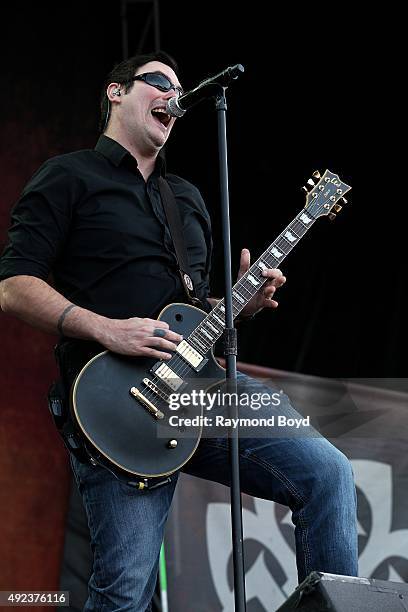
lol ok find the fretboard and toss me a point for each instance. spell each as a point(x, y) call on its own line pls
point(211, 328)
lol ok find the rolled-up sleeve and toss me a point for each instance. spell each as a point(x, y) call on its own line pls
point(40, 223)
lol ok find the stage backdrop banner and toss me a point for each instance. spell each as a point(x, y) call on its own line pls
point(369, 424)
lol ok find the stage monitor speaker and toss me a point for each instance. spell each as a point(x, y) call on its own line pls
point(321, 592)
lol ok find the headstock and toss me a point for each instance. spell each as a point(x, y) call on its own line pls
point(324, 194)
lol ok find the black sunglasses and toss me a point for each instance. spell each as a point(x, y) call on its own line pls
point(158, 80)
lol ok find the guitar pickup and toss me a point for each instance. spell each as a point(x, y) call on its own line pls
point(191, 356)
point(152, 387)
point(168, 377)
point(158, 414)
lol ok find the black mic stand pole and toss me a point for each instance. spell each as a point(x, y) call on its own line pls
point(230, 352)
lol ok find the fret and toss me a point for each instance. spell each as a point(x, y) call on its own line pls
point(301, 227)
point(205, 332)
point(241, 297)
point(211, 328)
point(253, 280)
point(283, 245)
point(297, 227)
point(200, 336)
point(261, 265)
point(238, 296)
point(235, 304)
point(291, 237)
point(272, 262)
point(236, 310)
point(305, 219)
point(246, 286)
point(276, 253)
point(216, 317)
point(198, 345)
point(301, 231)
point(298, 223)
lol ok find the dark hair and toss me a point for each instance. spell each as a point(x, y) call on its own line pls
point(123, 73)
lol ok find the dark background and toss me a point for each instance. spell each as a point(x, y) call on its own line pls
point(322, 89)
point(318, 92)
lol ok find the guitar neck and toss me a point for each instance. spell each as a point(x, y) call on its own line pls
point(210, 329)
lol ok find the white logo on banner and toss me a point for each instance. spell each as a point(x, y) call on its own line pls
point(375, 481)
point(373, 478)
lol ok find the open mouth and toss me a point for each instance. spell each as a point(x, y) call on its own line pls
point(160, 115)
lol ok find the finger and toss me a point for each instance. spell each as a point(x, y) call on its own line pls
point(150, 352)
point(278, 282)
point(169, 335)
point(270, 304)
point(156, 323)
point(272, 273)
point(245, 262)
point(161, 343)
point(274, 276)
point(269, 291)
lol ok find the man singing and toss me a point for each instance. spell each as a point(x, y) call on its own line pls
point(95, 220)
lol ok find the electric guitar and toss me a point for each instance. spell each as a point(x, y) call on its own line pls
point(121, 405)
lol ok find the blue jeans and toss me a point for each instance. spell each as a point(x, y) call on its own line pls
point(304, 472)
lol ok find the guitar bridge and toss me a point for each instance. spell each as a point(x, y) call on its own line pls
point(158, 414)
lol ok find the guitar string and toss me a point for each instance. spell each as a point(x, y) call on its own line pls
point(178, 365)
point(241, 285)
point(177, 361)
point(253, 290)
point(254, 270)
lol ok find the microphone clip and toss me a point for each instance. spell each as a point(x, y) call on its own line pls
point(178, 105)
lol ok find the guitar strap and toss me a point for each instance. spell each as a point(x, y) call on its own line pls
point(176, 232)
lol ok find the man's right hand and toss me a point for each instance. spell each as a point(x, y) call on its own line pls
point(34, 301)
point(136, 337)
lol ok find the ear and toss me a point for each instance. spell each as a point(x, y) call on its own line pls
point(113, 92)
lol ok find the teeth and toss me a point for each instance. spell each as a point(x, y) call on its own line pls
point(165, 120)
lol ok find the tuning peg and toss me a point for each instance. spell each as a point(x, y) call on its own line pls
point(305, 189)
point(317, 174)
point(344, 200)
point(311, 182)
point(332, 216)
point(337, 208)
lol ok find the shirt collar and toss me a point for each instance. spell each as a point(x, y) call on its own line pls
point(118, 155)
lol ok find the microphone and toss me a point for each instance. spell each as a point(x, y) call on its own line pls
point(177, 106)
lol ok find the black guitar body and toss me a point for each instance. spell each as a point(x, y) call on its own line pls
point(119, 427)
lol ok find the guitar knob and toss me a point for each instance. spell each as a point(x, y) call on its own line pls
point(337, 208)
point(317, 174)
point(332, 216)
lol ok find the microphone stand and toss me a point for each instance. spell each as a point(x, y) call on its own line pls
point(230, 352)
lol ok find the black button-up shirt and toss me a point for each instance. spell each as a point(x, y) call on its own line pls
point(91, 220)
